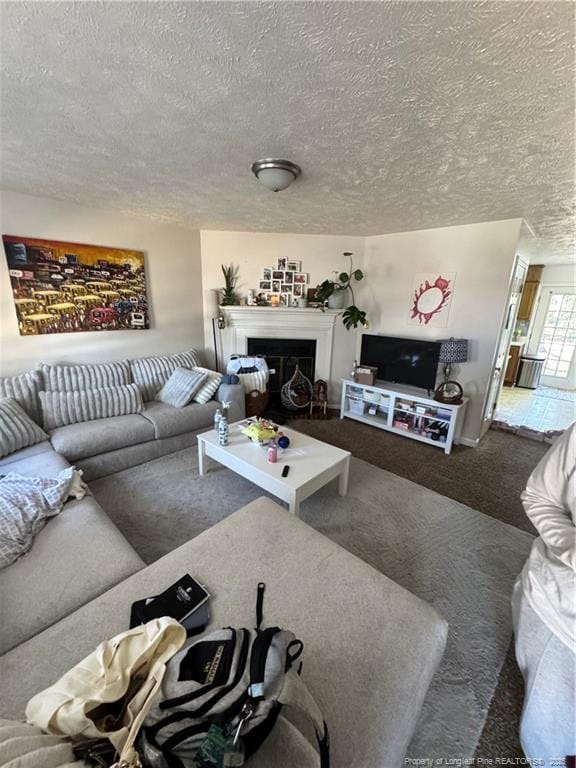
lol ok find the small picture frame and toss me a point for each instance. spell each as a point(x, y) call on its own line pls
point(288, 277)
point(267, 273)
point(298, 289)
point(282, 263)
point(274, 299)
point(284, 299)
point(300, 277)
point(312, 298)
point(294, 266)
point(276, 286)
point(265, 285)
point(278, 274)
point(287, 287)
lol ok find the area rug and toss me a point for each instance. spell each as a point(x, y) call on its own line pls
point(461, 561)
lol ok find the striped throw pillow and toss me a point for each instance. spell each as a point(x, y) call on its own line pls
point(24, 389)
point(17, 430)
point(181, 387)
point(71, 378)
point(151, 373)
point(62, 408)
point(209, 388)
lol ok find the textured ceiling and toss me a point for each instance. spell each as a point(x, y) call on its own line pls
point(403, 115)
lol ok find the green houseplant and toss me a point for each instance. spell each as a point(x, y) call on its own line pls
point(230, 280)
point(335, 292)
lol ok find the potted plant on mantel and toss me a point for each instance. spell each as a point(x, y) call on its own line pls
point(336, 294)
point(228, 293)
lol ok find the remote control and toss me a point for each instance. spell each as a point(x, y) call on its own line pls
point(285, 471)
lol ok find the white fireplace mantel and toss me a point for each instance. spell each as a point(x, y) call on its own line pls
point(243, 323)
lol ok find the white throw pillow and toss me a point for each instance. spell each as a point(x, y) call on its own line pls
point(151, 373)
point(17, 430)
point(209, 388)
point(181, 387)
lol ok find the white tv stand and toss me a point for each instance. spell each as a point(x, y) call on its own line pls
point(403, 412)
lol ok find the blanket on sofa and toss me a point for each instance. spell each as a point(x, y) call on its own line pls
point(25, 505)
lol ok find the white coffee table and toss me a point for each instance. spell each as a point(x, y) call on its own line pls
point(312, 463)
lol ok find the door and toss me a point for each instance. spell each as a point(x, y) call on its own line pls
point(502, 350)
point(555, 334)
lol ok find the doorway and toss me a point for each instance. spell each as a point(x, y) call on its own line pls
point(551, 407)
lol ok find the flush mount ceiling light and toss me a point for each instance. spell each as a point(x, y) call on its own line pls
point(275, 174)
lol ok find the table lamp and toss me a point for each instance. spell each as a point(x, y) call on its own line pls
point(452, 351)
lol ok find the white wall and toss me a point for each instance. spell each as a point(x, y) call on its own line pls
point(482, 255)
point(252, 251)
point(173, 269)
point(559, 274)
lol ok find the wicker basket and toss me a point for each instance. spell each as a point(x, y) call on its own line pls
point(256, 402)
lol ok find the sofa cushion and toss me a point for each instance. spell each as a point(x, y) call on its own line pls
point(40, 460)
point(67, 378)
point(181, 387)
point(62, 408)
point(151, 373)
point(209, 388)
point(90, 438)
point(24, 389)
point(78, 555)
point(17, 430)
point(370, 647)
point(26, 453)
point(169, 421)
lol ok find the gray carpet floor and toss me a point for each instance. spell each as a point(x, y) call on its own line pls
point(458, 559)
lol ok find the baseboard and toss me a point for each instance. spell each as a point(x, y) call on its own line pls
point(469, 442)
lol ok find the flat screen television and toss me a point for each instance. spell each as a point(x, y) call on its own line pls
point(403, 361)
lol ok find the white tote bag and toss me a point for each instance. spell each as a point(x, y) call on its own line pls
point(108, 694)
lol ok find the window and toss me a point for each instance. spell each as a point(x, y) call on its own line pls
point(559, 334)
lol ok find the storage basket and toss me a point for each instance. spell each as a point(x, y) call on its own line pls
point(357, 406)
point(256, 402)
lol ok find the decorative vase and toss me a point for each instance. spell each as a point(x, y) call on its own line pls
point(338, 299)
point(223, 431)
point(297, 392)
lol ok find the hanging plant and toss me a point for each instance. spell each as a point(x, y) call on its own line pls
point(352, 316)
point(230, 280)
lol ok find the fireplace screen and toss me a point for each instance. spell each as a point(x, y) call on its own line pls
point(283, 355)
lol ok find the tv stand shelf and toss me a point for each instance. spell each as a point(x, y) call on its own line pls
point(403, 412)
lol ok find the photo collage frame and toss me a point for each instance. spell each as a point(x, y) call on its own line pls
point(284, 285)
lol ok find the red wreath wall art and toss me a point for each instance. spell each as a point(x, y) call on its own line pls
point(431, 298)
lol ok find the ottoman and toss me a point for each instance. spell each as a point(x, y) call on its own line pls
point(370, 647)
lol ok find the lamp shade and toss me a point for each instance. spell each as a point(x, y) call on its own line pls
point(453, 350)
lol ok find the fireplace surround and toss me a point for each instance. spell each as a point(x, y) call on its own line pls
point(243, 323)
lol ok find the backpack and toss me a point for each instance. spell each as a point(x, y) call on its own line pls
point(221, 696)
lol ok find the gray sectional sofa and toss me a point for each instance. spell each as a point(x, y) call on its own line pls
point(80, 553)
point(372, 648)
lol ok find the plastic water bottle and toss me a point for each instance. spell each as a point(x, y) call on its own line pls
point(223, 431)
